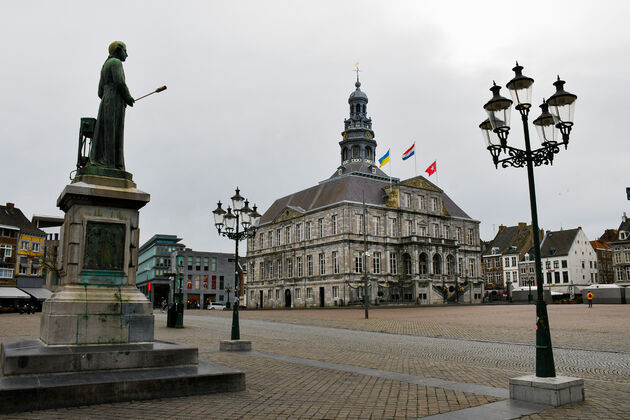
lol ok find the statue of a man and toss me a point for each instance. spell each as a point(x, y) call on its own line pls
point(108, 139)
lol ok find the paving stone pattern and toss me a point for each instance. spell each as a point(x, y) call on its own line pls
point(280, 384)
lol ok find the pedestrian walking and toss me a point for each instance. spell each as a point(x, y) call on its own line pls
point(589, 299)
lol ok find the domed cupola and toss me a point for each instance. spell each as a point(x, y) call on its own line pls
point(358, 144)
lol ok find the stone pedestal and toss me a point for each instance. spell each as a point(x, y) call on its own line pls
point(556, 391)
point(99, 303)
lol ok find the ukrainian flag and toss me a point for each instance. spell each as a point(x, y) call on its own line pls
point(384, 160)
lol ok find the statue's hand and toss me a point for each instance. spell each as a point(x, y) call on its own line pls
point(131, 101)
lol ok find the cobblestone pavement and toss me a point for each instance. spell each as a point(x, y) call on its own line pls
point(394, 340)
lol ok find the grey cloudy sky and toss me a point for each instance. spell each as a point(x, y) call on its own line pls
point(257, 94)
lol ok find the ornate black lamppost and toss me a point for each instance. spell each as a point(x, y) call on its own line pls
point(227, 224)
point(556, 118)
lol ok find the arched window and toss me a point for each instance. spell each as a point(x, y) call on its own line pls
point(407, 263)
point(368, 153)
point(437, 264)
point(423, 264)
point(344, 154)
point(450, 265)
point(356, 152)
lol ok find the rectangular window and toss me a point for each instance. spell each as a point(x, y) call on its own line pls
point(421, 203)
point(565, 277)
point(6, 273)
point(23, 245)
point(506, 262)
point(5, 252)
point(309, 265)
point(287, 235)
point(35, 246)
point(556, 277)
point(261, 240)
point(322, 264)
point(279, 268)
point(289, 267)
point(556, 264)
point(393, 263)
point(422, 230)
point(308, 231)
point(359, 223)
point(309, 293)
point(434, 204)
point(471, 237)
point(507, 276)
point(358, 263)
point(458, 234)
point(206, 263)
point(471, 267)
point(262, 270)
point(205, 281)
point(392, 226)
point(445, 232)
point(270, 239)
point(548, 265)
point(278, 234)
point(335, 291)
point(460, 265)
point(34, 269)
point(190, 263)
point(198, 264)
point(269, 292)
point(334, 224)
point(376, 222)
point(298, 293)
point(277, 294)
point(214, 282)
point(376, 263)
point(436, 230)
point(320, 227)
point(214, 264)
point(189, 282)
point(298, 232)
point(335, 262)
point(513, 261)
point(299, 266)
point(548, 278)
point(270, 269)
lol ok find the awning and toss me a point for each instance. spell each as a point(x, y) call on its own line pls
point(38, 293)
point(12, 293)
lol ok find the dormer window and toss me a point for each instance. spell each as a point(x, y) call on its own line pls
point(495, 250)
point(623, 235)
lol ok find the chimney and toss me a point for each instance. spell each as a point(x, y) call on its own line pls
point(501, 227)
point(11, 206)
point(624, 218)
point(521, 225)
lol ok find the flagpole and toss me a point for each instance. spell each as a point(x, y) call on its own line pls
point(415, 161)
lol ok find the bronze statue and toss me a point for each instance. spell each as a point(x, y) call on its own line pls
point(108, 141)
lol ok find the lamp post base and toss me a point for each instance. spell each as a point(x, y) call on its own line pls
point(556, 391)
point(235, 345)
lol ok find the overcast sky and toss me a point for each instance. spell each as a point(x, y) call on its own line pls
point(257, 94)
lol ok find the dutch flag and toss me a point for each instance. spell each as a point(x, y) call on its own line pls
point(410, 152)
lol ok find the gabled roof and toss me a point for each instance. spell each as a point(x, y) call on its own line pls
point(511, 240)
point(623, 227)
point(599, 245)
point(12, 216)
point(558, 243)
point(350, 188)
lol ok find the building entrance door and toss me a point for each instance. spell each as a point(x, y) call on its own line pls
point(322, 299)
point(261, 299)
point(287, 298)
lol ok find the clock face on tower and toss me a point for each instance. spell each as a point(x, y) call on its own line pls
point(368, 135)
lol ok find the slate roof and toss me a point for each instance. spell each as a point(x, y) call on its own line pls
point(518, 236)
point(12, 216)
point(343, 188)
point(558, 243)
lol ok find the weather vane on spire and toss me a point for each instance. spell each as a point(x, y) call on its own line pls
point(356, 68)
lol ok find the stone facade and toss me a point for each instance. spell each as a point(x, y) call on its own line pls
point(309, 250)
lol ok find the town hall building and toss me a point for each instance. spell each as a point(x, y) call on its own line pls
point(314, 247)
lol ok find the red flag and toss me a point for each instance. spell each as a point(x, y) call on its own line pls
point(432, 168)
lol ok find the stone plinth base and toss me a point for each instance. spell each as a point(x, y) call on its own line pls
point(556, 391)
point(235, 345)
point(35, 376)
point(86, 314)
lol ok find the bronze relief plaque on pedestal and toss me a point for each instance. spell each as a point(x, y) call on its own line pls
point(104, 246)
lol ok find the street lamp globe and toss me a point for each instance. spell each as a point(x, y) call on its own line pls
point(230, 220)
point(520, 88)
point(562, 107)
point(499, 110)
point(246, 216)
point(237, 201)
point(219, 214)
point(546, 127)
point(254, 216)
